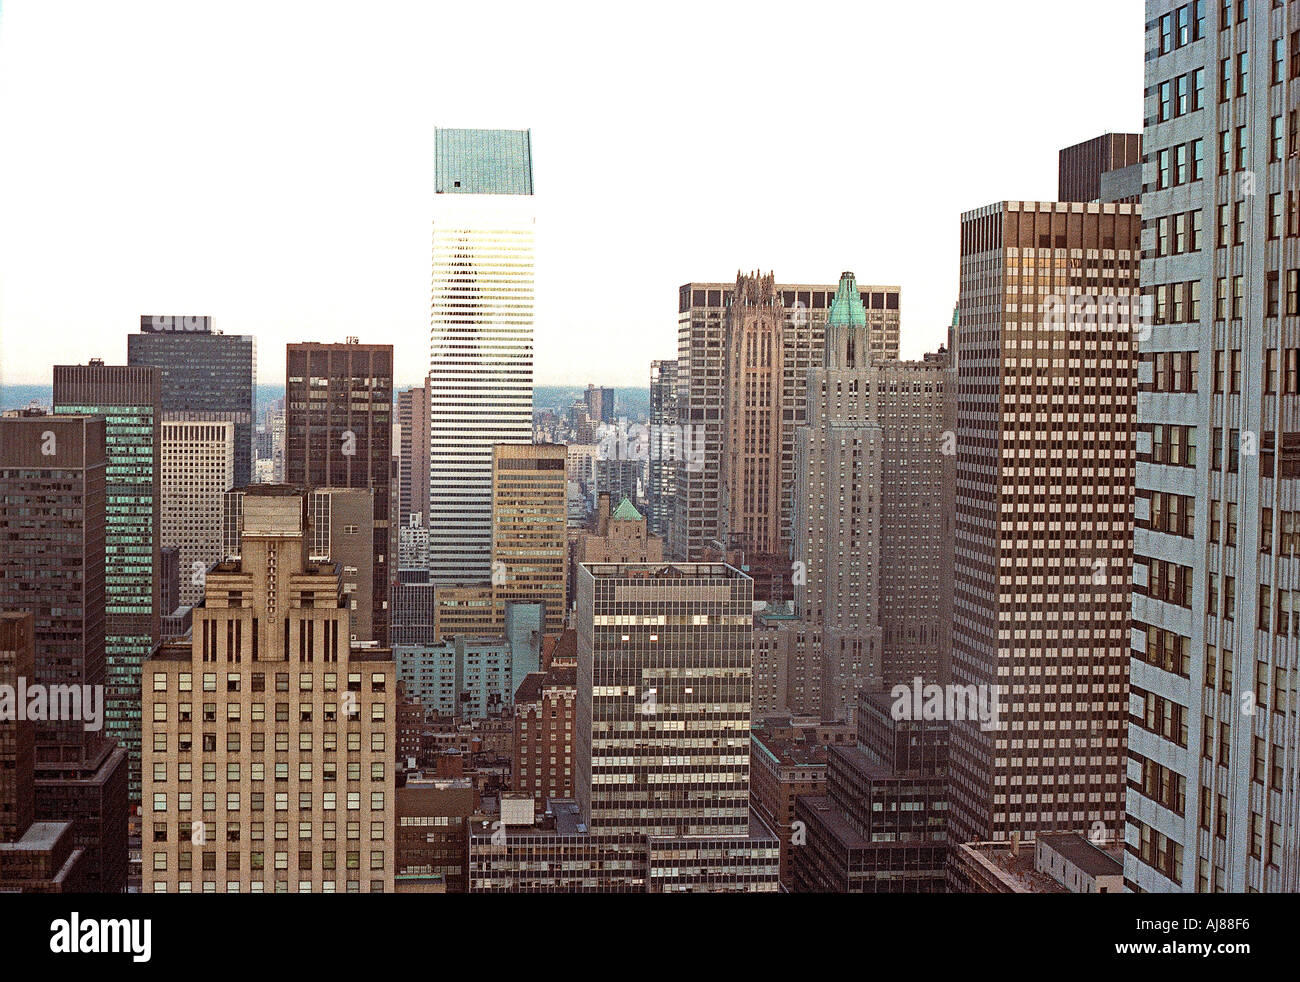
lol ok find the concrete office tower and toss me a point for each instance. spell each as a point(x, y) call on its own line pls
point(52, 531)
point(481, 336)
point(130, 400)
point(702, 394)
point(270, 670)
point(1212, 739)
point(663, 712)
point(413, 484)
point(529, 547)
point(1084, 166)
point(206, 375)
point(198, 468)
point(338, 426)
point(872, 524)
point(1047, 389)
point(663, 414)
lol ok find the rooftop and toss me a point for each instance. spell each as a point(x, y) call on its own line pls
point(1081, 853)
point(626, 512)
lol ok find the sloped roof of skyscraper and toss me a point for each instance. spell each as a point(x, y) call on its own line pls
point(483, 161)
point(846, 308)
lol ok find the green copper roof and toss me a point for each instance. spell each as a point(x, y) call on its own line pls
point(846, 308)
point(626, 512)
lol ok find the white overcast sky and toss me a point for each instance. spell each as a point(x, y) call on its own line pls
point(270, 163)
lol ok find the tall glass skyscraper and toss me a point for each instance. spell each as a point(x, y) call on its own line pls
point(130, 400)
point(481, 336)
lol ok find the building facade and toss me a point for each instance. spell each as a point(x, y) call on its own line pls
point(872, 516)
point(339, 434)
point(529, 546)
point(130, 400)
point(206, 376)
point(663, 414)
point(1047, 380)
point(269, 762)
point(52, 546)
point(480, 337)
point(703, 387)
point(1212, 748)
point(198, 468)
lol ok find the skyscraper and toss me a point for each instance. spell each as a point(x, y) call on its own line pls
point(752, 516)
point(1047, 376)
point(198, 468)
point(529, 531)
point(413, 485)
point(272, 629)
point(481, 336)
point(1212, 740)
point(664, 654)
point(339, 434)
point(663, 414)
point(206, 376)
point(872, 525)
point(130, 400)
point(52, 548)
point(1083, 165)
point(703, 393)
point(17, 736)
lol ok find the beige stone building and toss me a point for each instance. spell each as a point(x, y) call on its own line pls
point(269, 740)
point(706, 385)
point(872, 524)
point(618, 536)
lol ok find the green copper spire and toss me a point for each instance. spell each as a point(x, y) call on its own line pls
point(846, 308)
point(626, 512)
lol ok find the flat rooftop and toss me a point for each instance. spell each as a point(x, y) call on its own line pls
point(1081, 853)
point(663, 571)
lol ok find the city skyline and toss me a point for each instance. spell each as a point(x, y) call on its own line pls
point(335, 168)
point(853, 584)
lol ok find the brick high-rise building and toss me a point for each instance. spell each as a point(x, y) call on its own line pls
point(545, 715)
point(704, 391)
point(52, 535)
point(1047, 391)
point(339, 434)
point(207, 377)
point(872, 518)
point(130, 400)
point(269, 763)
